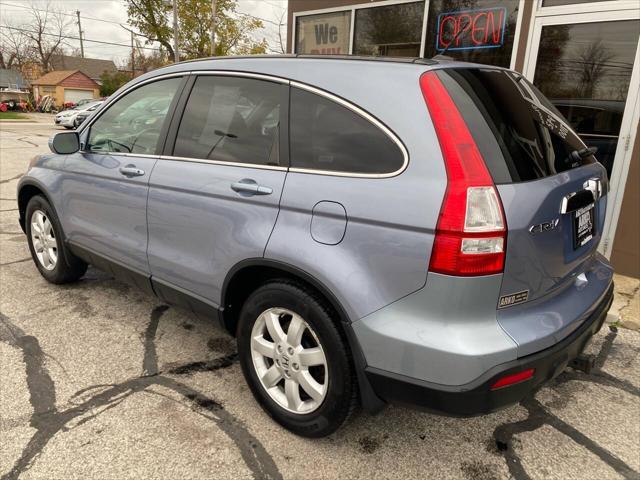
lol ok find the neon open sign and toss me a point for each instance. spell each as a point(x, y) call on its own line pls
point(471, 29)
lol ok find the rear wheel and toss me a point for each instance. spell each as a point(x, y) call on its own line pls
point(44, 234)
point(294, 359)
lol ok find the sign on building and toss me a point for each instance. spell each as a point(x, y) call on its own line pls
point(325, 34)
point(471, 29)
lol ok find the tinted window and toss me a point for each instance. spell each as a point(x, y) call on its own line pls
point(519, 133)
point(328, 136)
point(231, 119)
point(132, 124)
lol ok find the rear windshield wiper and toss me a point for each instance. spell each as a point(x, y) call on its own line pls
point(579, 155)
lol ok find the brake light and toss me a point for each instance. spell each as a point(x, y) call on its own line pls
point(471, 232)
point(513, 379)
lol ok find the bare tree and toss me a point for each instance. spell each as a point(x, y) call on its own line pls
point(593, 60)
point(46, 32)
point(14, 51)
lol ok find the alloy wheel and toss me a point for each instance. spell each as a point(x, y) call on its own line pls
point(44, 240)
point(289, 360)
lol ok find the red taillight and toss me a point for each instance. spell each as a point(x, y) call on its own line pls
point(471, 232)
point(513, 379)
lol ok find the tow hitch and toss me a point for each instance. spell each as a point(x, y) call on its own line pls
point(583, 362)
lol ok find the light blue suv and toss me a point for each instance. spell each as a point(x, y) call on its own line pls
point(371, 231)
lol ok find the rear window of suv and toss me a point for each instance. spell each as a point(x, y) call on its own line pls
point(519, 133)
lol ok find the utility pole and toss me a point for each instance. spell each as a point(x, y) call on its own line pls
point(213, 28)
point(176, 53)
point(133, 57)
point(80, 34)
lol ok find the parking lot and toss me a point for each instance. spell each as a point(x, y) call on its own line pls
point(98, 380)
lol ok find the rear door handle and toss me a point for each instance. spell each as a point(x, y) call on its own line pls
point(248, 187)
point(131, 171)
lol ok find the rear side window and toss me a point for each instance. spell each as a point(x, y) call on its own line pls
point(231, 119)
point(330, 137)
point(520, 134)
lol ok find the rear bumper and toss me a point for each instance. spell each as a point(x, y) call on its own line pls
point(477, 397)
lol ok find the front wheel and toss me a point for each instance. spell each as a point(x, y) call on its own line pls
point(52, 258)
point(295, 361)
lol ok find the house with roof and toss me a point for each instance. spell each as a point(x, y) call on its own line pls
point(92, 67)
point(13, 86)
point(65, 86)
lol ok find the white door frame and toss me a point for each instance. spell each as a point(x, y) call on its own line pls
point(629, 126)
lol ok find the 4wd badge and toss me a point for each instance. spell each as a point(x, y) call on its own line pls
point(513, 299)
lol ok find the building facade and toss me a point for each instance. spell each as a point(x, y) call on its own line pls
point(65, 86)
point(584, 55)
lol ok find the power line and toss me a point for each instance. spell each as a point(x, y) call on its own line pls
point(60, 13)
point(77, 38)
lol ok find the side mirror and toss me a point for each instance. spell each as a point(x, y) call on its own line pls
point(64, 143)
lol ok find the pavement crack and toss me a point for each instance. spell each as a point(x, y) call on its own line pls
point(150, 359)
point(7, 180)
point(539, 416)
point(22, 139)
point(48, 421)
point(255, 456)
point(208, 366)
point(15, 261)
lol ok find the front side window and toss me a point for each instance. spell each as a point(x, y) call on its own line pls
point(231, 119)
point(133, 123)
point(330, 137)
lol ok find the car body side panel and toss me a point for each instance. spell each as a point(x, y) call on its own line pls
point(390, 226)
point(199, 228)
point(383, 255)
point(47, 174)
point(104, 211)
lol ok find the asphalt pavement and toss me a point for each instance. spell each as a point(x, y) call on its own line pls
point(98, 380)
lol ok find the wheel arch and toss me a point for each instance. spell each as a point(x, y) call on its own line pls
point(26, 191)
point(247, 275)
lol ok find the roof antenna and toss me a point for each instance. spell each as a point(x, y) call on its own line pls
point(443, 55)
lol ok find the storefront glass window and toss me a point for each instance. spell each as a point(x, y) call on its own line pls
point(480, 31)
point(392, 30)
point(585, 69)
point(555, 3)
point(324, 34)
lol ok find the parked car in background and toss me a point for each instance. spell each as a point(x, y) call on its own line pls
point(432, 244)
point(67, 118)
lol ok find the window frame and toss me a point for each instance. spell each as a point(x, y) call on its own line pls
point(283, 130)
point(179, 102)
point(85, 128)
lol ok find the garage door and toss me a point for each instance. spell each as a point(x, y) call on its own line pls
point(75, 95)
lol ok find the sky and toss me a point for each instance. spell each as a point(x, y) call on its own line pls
point(100, 21)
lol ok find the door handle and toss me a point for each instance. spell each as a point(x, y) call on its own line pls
point(131, 171)
point(248, 187)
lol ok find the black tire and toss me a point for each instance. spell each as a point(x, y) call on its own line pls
point(341, 397)
point(68, 268)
